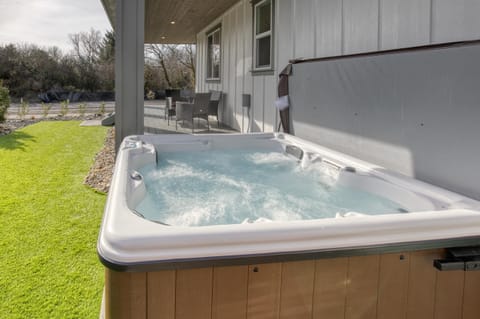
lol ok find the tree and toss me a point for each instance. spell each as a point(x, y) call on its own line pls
point(28, 70)
point(86, 51)
point(186, 57)
point(87, 45)
point(106, 63)
point(160, 53)
point(176, 62)
point(107, 49)
point(4, 101)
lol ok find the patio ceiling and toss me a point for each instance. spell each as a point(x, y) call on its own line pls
point(188, 16)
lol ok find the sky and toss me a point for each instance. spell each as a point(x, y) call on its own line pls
point(49, 22)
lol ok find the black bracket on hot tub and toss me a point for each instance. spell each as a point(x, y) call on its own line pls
point(460, 258)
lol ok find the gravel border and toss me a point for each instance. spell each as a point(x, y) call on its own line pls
point(101, 172)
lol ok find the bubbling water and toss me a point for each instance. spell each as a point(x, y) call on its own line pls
point(245, 186)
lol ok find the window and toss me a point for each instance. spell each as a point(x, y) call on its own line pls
point(213, 54)
point(263, 34)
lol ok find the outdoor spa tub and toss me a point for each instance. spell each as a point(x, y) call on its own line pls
point(272, 226)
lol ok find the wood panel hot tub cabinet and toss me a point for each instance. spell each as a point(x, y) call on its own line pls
point(390, 286)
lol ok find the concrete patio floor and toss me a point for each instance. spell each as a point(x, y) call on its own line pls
point(155, 122)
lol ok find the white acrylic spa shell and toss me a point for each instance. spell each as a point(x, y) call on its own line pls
point(126, 238)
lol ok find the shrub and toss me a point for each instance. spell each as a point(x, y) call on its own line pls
point(150, 95)
point(23, 109)
point(45, 109)
point(64, 107)
point(4, 101)
point(101, 109)
point(82, 108)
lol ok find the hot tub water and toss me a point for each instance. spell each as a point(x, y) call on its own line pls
point(220, 187)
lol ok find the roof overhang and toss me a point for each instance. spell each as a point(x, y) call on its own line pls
point(175, 21)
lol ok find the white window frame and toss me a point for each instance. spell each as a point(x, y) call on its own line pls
point(210, 71)
point(257, 37)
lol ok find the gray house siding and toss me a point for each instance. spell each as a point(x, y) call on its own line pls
point(321, 28)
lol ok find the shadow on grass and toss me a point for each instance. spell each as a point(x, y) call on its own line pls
point(15, 140)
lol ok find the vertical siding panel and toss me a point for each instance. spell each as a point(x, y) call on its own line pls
point(449, 294)
point(193, 294)
point(248, 84)
point(471, 303)
point(330, 288)
point(275, 55)
point(455, 20)
point(264, 283)
point(262, 115)
point(125, 295)
point(248, 38)
point(360, 26)
point(283, 33)
point(238, 88)
point(239, 67)
point(284, 40)
point(421, 284)
point(232, 85)
point(329, 28)
point(362, 287)
point(227, 83)
point(297, 289)
point(268, 104)
point(393, 286)
point(404, 23)
point(199, 60)
point(225, 65)
point(257, 104)
point(204, 61)
point(230, 292)
point(161, 294)
point(304, 29)
point(197, 63)
point(223, 86)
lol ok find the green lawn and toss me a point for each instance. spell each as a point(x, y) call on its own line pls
point(49, 222)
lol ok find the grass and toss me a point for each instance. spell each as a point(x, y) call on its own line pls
point(49, 222)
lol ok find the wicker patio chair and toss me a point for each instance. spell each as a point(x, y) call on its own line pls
point(190, 111)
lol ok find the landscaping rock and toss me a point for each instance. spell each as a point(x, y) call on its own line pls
point(9, 126)
point(101, 172)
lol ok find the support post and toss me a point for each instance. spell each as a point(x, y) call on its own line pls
point(129, 68)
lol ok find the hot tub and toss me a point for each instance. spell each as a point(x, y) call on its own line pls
point(426, 215)
point(362, 261)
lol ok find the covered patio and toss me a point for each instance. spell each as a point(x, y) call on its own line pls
point(149, 21)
